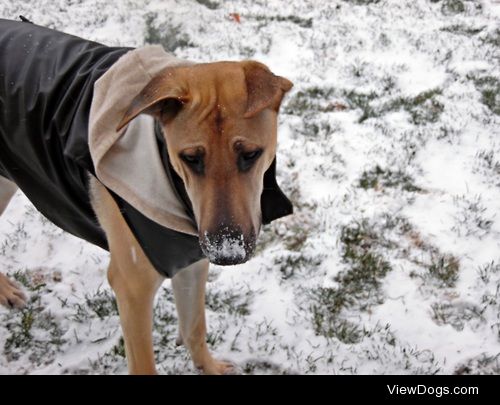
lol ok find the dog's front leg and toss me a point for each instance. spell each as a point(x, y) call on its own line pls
point(133, 279)
point(189, 292)
point(135, 289)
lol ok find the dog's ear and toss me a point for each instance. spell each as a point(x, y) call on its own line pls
point(163, 95)
point(264, 89)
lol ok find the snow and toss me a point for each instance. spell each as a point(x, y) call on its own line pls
point(224, 247)
point(419, 89)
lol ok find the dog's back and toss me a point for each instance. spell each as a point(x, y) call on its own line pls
point(46, 85)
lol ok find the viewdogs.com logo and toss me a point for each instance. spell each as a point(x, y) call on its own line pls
point(430, 390)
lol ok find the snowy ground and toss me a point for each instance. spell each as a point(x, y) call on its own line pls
point(390, 148)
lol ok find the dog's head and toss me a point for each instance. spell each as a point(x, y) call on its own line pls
point(220, 125)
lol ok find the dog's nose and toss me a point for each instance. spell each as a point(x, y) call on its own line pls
point(227, 245)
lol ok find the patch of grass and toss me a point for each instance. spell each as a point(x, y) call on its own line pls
point(489, 160)
point(296, 237)
point(314, 129)
point(119, 348)
point(423, 108)
point(451, 7)
point(263, 367)
point(358, 286)
point(215, 338)
point(461, 29)
point(165, 311)
point(489, 276)
point(331, 326)
point(457, 315)
point(293, 231)
point(102, 303)
point(444, 269)
point(379, 178)
point(301, 22)
point(487, 271)
point(311, 99)
point(110, 362)
point(212, 5)
point(234, 302)
point(293, 263)
point(363, 102)
point(483, 364)
point(34, 331)
point(357, 239)
point(472, 216)
point(167, 35)
point(493, 38)
point(489, 87)
point(27, 280)
point(165, 324)
point(362, 2)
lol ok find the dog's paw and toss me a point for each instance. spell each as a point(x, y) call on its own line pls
point(215, 367)
point(11, 295)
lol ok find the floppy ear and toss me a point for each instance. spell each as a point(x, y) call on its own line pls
point(264, 89)
point(153, 98)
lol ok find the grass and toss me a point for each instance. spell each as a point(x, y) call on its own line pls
point(489, 271)
point(232, 302)
point(457, 315)
point(309, 100)
point(378, 179)
point(451, 7)
point(472, 217)
point(167, 35)
point(483, 364)
point(362, 2)
point(299, 21)
point(210, 4)
point(28, 280)
point(358, 286)
point(489, 87)
point(488, 159)
point(493, 38)
point(444, 269)
point(296, 264)
point(462, 29)
point(423, 108)
point(489, 288)
point(33, 332)
point(119, 349)
point(263, 367)
point(102, 304)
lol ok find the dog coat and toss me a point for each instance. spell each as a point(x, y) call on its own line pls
point(61, 99)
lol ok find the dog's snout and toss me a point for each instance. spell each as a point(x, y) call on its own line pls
point(227, 245)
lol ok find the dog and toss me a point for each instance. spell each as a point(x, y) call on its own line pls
point(168, 164)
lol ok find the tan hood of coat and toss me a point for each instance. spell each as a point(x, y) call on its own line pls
point(128, 162)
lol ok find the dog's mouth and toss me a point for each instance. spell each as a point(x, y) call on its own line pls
point(228, 246)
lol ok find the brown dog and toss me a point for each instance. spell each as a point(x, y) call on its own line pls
point(220, 121)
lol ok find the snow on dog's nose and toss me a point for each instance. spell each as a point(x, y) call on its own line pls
point(227, 246)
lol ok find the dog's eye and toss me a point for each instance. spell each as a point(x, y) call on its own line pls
point(247, 159)
point(195, 162)
point(191, 159)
